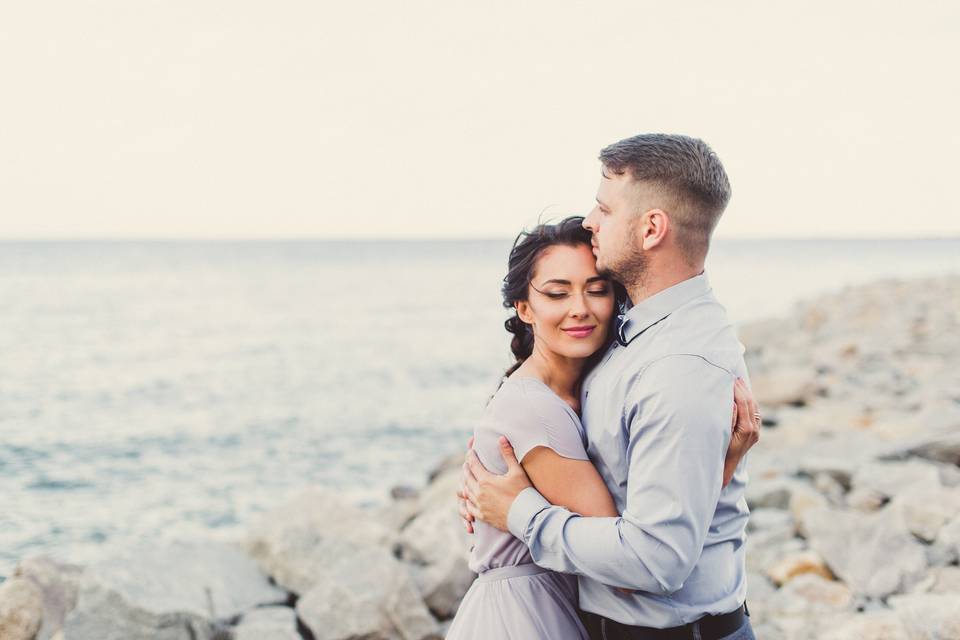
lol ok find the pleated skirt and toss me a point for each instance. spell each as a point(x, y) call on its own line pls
point(523, 602)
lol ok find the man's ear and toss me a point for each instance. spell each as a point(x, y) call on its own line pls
point(653, 228)
point(523, 311)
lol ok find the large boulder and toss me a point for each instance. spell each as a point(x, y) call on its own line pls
point(887, 479)
point(790, 385)
point(807, 604)
point(341, 564)
point(364, 593)
point(292, 542)
point(925, 510)
point(175, 591)
point(796, 564)
point(874, 554)
point(268, 623)
point(21, 609)
point(929, 616)
point(875, 625)
point(58, 583)
point(437, 546)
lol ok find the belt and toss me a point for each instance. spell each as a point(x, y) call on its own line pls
point(706, 628)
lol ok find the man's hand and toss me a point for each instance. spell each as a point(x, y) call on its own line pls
point(489, 495)
point(746, 429)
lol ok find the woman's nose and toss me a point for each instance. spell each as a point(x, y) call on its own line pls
point(579, 308)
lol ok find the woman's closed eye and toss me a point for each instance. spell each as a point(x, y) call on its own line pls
point(559, 295)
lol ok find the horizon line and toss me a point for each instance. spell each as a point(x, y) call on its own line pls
point(485, 238)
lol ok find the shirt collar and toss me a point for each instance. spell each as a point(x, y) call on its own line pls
point(659, 306)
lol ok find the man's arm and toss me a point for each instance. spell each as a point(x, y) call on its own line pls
point(679, 432)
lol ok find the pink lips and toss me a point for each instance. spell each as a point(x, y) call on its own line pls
point(580, 332)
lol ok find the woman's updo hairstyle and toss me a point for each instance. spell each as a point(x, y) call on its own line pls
point(527, 249)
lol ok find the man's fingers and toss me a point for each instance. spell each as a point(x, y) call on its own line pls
point(742, 399)
point(471, 486)
point(465, 516)
point(507, 453)
point(473, 510)
point(475, 466)
point(470, 443)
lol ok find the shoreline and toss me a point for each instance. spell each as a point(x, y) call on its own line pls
point(854, 492)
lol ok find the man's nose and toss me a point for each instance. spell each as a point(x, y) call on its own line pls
point(588, 221)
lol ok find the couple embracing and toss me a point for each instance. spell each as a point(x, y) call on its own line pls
point(605, 487)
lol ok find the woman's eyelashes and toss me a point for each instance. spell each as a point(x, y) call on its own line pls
point(559, 295)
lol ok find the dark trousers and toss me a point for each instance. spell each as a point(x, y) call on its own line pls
point(601, 629)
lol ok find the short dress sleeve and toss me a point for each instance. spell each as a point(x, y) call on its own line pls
point(530, 415)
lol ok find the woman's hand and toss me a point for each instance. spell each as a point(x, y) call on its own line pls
point(746, 428)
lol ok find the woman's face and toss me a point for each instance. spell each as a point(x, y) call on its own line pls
point(569, 304)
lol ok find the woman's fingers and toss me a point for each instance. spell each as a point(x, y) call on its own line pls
point(507, 453)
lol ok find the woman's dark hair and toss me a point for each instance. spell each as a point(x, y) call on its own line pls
point(527, 249)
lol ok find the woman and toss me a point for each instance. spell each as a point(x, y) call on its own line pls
point(563, 314)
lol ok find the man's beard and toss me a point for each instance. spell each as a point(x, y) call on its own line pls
point(630, 269)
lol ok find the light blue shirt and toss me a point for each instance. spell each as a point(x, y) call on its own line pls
point(657, 415)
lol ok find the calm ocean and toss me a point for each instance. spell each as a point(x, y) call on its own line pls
point(169, 389)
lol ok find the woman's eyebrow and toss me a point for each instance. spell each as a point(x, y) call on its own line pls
point(567, 282)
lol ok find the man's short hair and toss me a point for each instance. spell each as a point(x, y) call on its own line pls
point(688, 175)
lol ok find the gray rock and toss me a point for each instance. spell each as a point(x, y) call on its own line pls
point(839, 469)
point(890, 478)
point(170, 592)
point(866, 500)
point(940, 580)
point(268, 623)
point(21, 609)
point(763, 554)
point(875, 625)
point(940, 447)
point(772, 493)
point(875, 554)
point(292, 542)
point(764, 519)
point(803, 499)
point(439, 547)
point(948, 538)
point(807, 606)
point(368, 594)
point(795, 385)
point(795, 564)
point(933, 616)
point(925, 510)
point(404, 492)
point(58, 583)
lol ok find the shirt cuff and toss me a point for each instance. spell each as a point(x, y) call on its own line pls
point(526, 505)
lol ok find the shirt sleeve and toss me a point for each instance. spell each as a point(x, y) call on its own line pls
point(678, 413)
point(532, 417)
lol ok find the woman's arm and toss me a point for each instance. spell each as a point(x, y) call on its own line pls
point(574, 484)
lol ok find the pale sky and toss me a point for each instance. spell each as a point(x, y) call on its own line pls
point(232, 119)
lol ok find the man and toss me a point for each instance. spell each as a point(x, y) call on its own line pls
point(656, 415)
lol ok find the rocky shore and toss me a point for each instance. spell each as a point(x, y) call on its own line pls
point(854, 531)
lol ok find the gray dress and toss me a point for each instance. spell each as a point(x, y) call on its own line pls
point(512, 598)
